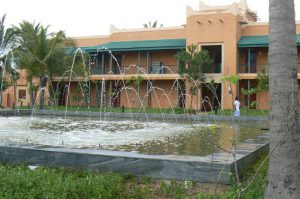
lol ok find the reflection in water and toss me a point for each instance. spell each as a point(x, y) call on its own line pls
point(136, 136)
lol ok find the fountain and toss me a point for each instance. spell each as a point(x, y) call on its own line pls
point(205, 148)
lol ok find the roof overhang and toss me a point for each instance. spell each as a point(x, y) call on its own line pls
point(163, 44)
point(258, 41)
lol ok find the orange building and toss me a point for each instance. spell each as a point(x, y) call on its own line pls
point(138, 68)
point(17, 94)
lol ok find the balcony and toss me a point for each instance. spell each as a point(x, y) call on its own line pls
point(154, 72)
point(244, 68)
point(133, 69)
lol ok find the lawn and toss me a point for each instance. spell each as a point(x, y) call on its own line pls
point(244, 111)
point(19, 181)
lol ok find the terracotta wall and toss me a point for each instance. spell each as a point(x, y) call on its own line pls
point(164, 94)
point(130, 97)
point(257, 29)
point(217, 29)
point(90, 41)
point(262, 101)
point(260, 29)
point(154, 34)
point(132, 35)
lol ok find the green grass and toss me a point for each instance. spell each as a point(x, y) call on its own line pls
point(18, 181)
point(244, 111)
point(119, 109)
point(256, 189)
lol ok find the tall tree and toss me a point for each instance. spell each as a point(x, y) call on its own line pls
point(194, 64)
point(284, 166)
point(41, 53)
point(7, 38)
point(151, 25)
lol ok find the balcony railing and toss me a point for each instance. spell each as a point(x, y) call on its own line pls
point(216, 68)
point(133, 69)
point(244, 68)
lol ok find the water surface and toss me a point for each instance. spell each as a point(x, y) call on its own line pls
point(155, 137)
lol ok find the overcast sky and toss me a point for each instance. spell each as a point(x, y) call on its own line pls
point(92, 17)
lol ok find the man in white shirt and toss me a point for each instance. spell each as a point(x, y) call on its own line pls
point(237, 107)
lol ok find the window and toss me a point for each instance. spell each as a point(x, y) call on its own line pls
point(22, 94)
point(215, 53)
point(93, 60)
point(251, 61)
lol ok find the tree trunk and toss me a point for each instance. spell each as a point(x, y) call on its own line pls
point(15, 94)
point(284, 166)
point(43, 83)
point(31, 102)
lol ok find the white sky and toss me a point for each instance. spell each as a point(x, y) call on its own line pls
point(92, 17)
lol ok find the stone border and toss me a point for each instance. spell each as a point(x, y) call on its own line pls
point(216, 167)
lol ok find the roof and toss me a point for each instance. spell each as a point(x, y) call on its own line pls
point(71, 50)
point(257, 41)
point(163, 44)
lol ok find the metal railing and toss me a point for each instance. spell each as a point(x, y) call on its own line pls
point(244, 68)
point(134, 69)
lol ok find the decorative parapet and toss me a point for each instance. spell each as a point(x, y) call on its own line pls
point(238, 9)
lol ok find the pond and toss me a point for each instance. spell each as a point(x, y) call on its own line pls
point(155, 137)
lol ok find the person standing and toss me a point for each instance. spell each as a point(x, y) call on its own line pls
point(236, 107)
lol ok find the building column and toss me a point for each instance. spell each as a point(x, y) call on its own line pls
point(97, 94)
point(110, 63)
point(249, 62)
point(139, 62)
point(110, 93)
point(90, 96)
point(238, 61)
point(110, 82)
point(148, 81)
point(103, 63)
point(97, 64)
point(248, 96)
point(148, 62)
point(89, 63)
point(177, 84)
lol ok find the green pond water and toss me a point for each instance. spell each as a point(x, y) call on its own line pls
point(155, 137)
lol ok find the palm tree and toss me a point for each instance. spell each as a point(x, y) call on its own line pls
point(284, 169)
point(7, 38)
point(150, 25)
point(194, 63)
point(42, 54)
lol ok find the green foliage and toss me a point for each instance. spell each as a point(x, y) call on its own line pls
point(193, 62)
point(255, 190)
point(134, 81)
point(233, 79)
point(18, 181)
point(7, 38)
point(244, 112)
point(253, 104)
point(213, 129)
point(5, 84)
point(21, 182)
point(263, 82)
point(249, 92)
point(40, 52)
point(150, 25)
point(192, 65)
point(173, 189)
